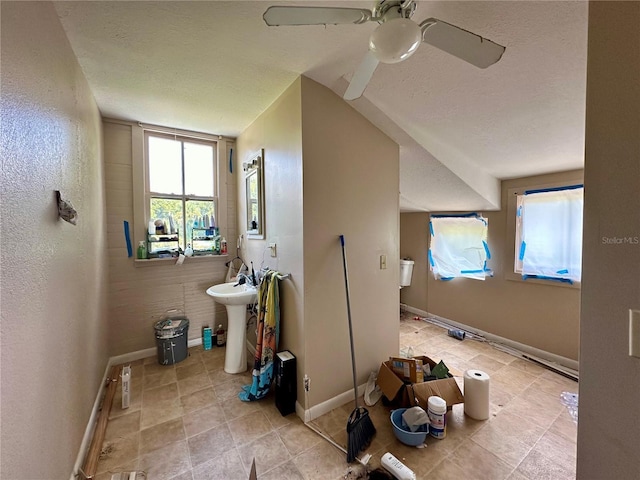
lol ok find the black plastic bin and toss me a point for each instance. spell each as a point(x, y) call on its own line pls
point(171, 338)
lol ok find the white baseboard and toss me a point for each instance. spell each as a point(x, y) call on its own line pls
point(535, 353)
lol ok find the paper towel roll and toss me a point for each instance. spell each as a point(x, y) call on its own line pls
point(476, 394)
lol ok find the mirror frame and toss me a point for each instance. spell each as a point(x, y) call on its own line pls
point(254, 168)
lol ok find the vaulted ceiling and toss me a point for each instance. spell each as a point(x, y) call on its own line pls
point(215, 66)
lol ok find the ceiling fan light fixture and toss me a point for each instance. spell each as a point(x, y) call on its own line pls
point(395, 40)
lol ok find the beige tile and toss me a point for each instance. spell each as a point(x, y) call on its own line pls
point(516, 475)
point(118, 451)
point(297, 438)
point(160, 435)
point(333, 421)
point(286, 471)
point(210, 444)
point(321, 462)
point(156, 368)
point(183, 476)
point(512, 380)
point(160, 395)
point(565, 426)
point(507, 427)
point(159, 379)
point(166, 462)
point(447, 470)
point(135, 399)
point(268, 451)
point(235, 408)
point(193, 384)
point(537, 466)
point(555, 384)
point(275, 417)
point(161, 412)
point(193, 358)
point(558, 448)
point(197, 400)
point(230, 388)
point(186, 371)
point(122, 426)
point(478, 462)
point(129, 466)
point(486, 364)
point(509, 450)
point(203, 419)
point(528, 366)
point(225, 466)
point(420, 460)
point(249, 427)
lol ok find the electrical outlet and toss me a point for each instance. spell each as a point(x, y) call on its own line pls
point(383, 262)
point(272, 247)
point(634, 333)
point(307, 382)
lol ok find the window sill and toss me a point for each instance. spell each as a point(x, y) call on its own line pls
point(516, 277)
point(149, 262)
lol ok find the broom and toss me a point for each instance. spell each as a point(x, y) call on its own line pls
point(360, 429)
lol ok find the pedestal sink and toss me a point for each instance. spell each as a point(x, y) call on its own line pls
point(235, 299)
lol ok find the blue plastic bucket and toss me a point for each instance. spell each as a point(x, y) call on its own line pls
point(405, 435)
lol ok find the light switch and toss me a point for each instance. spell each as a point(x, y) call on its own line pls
point(383, 262)
point(272, 247)
point(634, 333)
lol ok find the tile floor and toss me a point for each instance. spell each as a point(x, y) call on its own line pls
point(185, 422)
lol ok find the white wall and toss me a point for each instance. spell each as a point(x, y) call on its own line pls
point(608, 426)
point(54, 335)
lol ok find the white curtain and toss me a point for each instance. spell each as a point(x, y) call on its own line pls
point(551, 233)
point(459, 247)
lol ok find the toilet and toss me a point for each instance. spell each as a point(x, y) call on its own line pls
point(406, 270)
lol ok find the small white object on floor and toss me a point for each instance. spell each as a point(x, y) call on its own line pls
point(396, 468)
point(372, 392)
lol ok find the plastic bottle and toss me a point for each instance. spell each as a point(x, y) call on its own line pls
point(152, 227)
point(188, 252)
point(142, 250)
point(437, 411)
point(221, 336)
point(223, 246)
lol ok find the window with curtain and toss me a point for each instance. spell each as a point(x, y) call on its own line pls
point(458, 246)
point(549, 234)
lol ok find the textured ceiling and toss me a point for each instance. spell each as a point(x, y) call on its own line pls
point(215, 67)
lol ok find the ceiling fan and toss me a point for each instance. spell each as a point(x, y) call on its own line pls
point(395, 39)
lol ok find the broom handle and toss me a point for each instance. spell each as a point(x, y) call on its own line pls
point(346, 286)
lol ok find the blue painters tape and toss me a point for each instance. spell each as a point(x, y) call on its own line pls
point(446, 279)
point(471, 271)
point(520, 211)
point(127, 238)
point(486, 249)
point(523, 247)
point(561, 272)
point(431, 229)
point(554, 189)
point(431, 259)
point(544, 277)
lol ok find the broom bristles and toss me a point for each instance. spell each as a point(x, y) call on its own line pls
point(360, 431)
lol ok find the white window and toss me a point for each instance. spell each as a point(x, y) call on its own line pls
point(549, 234)
point(459, 246)
point(180, 193)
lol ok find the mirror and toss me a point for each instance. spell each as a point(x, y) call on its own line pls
point(255, 195)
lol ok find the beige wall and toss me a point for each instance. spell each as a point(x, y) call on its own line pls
point(279, 131)
point(351, 185)
point(608, 429)
point(414, 238)
point(54, 335)
point(544, 316)
point(141, 293)
point(328, 171)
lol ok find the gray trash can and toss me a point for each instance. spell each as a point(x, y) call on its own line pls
point(171, 338)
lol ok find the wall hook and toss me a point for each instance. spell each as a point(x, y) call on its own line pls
point(66, 210)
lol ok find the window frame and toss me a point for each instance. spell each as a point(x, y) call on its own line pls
point(140, 177)
point(508, 269)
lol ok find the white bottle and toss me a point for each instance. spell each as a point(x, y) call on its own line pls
point(437, 411)
point(396, 468)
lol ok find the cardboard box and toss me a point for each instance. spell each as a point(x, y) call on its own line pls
point(408, 394)
point(408, 369)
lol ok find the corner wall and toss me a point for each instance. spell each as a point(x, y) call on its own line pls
point(544, 316)
point(608, 430)
point(351, 185)
point(54, 321)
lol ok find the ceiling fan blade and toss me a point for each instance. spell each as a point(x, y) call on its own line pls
point(361, 77)
point(465, 45)
point(281, 15)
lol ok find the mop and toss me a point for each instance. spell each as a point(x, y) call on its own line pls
point(360, 429)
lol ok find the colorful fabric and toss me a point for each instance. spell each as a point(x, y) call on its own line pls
point(268, 338)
